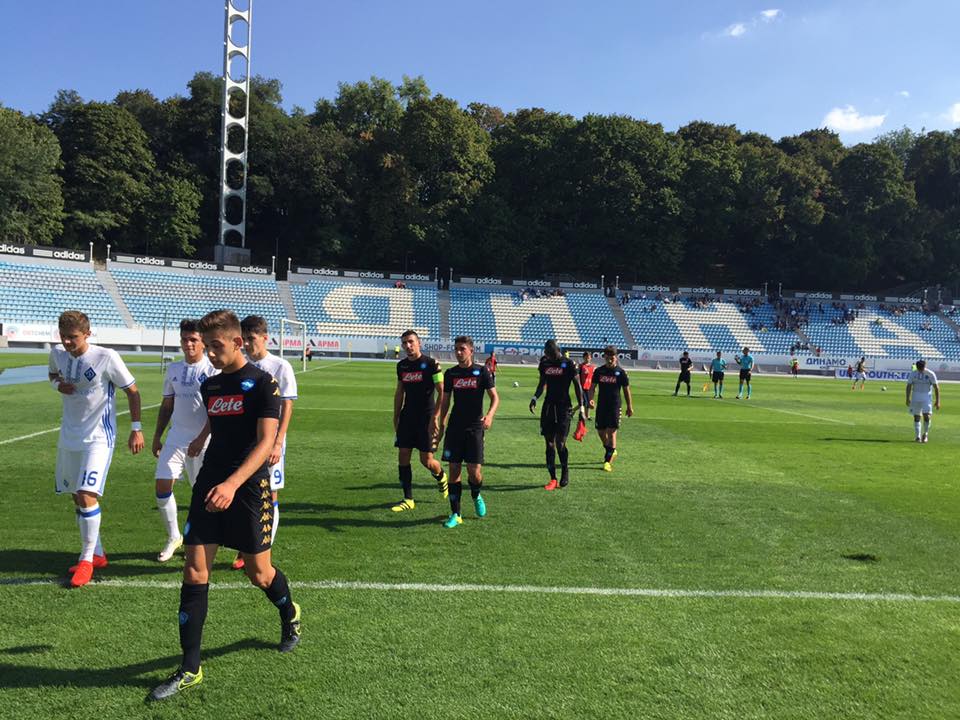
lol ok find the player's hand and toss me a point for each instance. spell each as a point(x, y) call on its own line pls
point(66, 388)
point(220, 497)
point(487, 422)
point(275, 454)
point(156, 446)
point(629, 412)
point(533, 405)
point(937, 405)
point(593, 404)
point(196, 446)
point(135, 443)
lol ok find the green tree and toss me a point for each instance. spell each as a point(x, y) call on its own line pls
point(31, 200)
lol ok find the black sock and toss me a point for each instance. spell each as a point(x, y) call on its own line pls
point(551, 461)
point(608, 455)
point(475, 490)
point(564, 454)
point(406, 481)
point(193, 613)
point(455, 490)
point(439, 476)
point(279, 594)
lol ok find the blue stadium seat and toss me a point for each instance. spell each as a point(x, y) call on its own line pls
point(35, 293)
point(366, 309)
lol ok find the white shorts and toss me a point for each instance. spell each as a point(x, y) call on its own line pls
point(276, 471)
point(859, 376)
point(83, 469)
point(174, 460)
point(924, 407)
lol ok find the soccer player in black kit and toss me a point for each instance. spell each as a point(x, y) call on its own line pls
point(416, 416)
point(685, 364)
point(464, 385)
point(609, 379)
point(231, 502)
point(557, 373)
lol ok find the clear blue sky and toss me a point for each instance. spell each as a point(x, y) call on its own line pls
point(777, 67)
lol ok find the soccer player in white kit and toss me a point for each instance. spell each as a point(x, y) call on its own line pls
point(181, 403)
point(86, 376)
point(922, 385)
point(255, 334)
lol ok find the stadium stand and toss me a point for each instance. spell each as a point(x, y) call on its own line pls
point(152, 295)
point(573, 319)
point(37, 293)
point(718, 325)
point(365, 309)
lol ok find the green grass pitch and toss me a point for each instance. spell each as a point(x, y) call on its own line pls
point(809, 487)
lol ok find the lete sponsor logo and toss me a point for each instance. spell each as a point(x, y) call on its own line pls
point(220, 405)
point(468, 383)
point(412, 377)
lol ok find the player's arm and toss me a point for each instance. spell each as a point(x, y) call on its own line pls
point(538, 392)
point(629, 398)
point(397, 405)
point(936, 395)
point(285, 416)
point(492, 410)
point(56, 379)
point(196, 445)
point(578, 391)
point(163, 418)
point(221, 496)
point(909, 391)
point(135, 443)
point(438, 389)
point(442, 416)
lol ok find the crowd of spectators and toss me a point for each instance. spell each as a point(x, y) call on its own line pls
point(528, 293)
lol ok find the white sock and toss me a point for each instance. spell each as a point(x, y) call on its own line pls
point(276, 521)
point(926, 425)
point(89, 521)
point(916, 426)
point(167, 505)
point(98, 550)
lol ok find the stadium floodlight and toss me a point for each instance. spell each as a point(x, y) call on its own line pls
point(297, 344)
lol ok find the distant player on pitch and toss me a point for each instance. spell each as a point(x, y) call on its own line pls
point(464, 386)
point(230, 504)
point(685, 365)
point(416, 417)
point(860, 374)
point(255, 336)
point(610, 379)
point(586, 383)
point(86, 376)
point(557, 374)
point(921, 384)
point(718, 367)
point(181, 403)
point(746, 362)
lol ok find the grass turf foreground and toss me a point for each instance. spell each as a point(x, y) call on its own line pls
point(806, 487)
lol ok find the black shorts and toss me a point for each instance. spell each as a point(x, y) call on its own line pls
point(464, 445)
point(245, 526)
point(746, 375)
point(555, 420)
point(717, 377)
point(608, 418)
point(415, 433)
point(684, 377)
point(587, 396)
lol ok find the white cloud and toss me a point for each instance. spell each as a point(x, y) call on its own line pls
point(904, 93)
point(954, 113)
point(847, 119)
point(736, 30)
point(770, 15)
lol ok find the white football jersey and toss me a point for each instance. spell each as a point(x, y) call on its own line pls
point(182, 383)
point(282, 372)
point(923, 383)
point(90, 413)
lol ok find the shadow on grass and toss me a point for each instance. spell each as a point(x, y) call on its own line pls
point(32, 676)
point(340, 524)
point(538, 466)
point(55, 563)
point(860, 440)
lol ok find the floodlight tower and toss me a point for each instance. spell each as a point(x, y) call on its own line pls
point(234, 113)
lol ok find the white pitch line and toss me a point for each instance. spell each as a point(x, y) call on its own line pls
point(794, 412)
point(669, 593)
point(44, 432)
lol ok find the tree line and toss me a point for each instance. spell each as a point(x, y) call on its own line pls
point(395, 177)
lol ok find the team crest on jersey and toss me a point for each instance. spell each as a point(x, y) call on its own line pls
point(563, 364)
point(90, 374)
point(225, 405)
point(201, 377)
point(469, 383)
point(476, 372)
point(412, 377)
point(554, 370)
point(423, 366)
point(247, 384)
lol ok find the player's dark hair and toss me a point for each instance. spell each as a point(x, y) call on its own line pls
point(219, 321)
point(463, 340)
point(255, 324)
point(408, 333)
point(921, 364)
point(74, 320)
point(685, 352)
point(552, 350)
point(610, 350)
point(587, 355)
point(189, 325)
